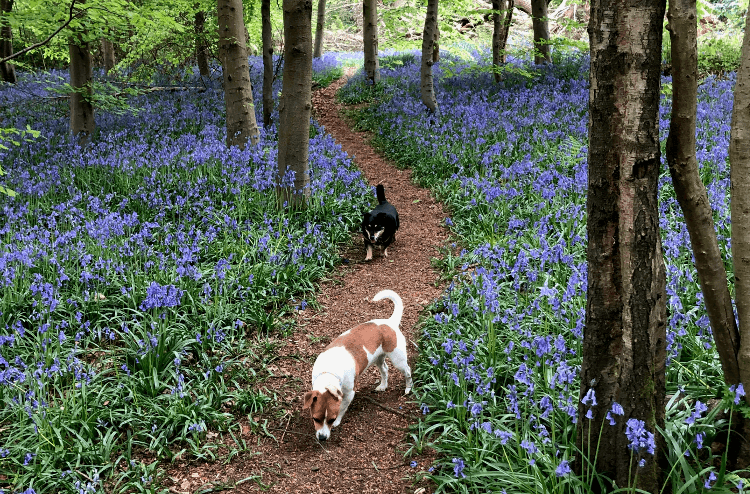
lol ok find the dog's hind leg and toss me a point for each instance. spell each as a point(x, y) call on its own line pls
point(400, 362)
point(383, 367)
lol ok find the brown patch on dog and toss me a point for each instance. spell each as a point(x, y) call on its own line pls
point(368, 336)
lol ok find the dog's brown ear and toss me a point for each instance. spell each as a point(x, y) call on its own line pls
point(310, 396)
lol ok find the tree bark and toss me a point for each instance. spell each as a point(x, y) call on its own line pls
point(739, 159)
point(370, 35)
point(540, 23)
point(201, 46)
point(436, 45)
point(624, 342)
point(238, 91)
point(81, 73)
point(296, 104)
point(689, 188)
point(266, 28)
point(7, 70)
point(428, 40)
point(500, 28)
point(320, 27)
point(108, 54)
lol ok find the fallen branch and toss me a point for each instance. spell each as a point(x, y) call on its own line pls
point(392, 410)
point(142, 91)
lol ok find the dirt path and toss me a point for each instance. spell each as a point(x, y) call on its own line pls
point(364, 454)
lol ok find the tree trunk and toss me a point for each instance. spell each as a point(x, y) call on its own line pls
point(739, 159)
point(265, 14)
point(506, 28)
point(540, 22)
point(296, 104)
point(436, 45)
point(689, 189)
point(320, 27)
point(201, 47)
point(624, 351)
point(108, 54)
point(500, 28)
point(428, 39)
point(370, 35)
point(81, 110)
point(7, 70)
point(238, 91)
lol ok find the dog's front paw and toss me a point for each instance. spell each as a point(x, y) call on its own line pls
point(336, 423)
point(381, 387)
point(407, 391)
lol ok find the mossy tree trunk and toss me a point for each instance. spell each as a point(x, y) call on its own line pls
point(266, 33)
point(689, 188)
point(81, 74)
point(238, 91)
point(624, 342)
point(739, 159)
point(320, 27)
point(500, 28)
point(296, 105)
point(370, 35)
point(201, 45)
point(540, 23)
point(7, 70)
point(428, 41)
point(108, 54)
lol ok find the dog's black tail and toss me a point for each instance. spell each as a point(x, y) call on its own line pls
point(380, 191)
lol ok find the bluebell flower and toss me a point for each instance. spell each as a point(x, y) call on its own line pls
point(739, 392)
point(563, 469)
point(504, 436)
point(529, 446)
point(699, 437)
point(640, 439)
point(708, 483)
point(699, 409)
point(458, 468)
point(590, 398)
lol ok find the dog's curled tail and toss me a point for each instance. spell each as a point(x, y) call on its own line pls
point(398, 305)
point(380, 191)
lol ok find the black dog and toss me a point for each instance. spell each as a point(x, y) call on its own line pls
point(379, 225)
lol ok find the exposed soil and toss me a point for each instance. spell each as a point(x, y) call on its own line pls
point(365, 454)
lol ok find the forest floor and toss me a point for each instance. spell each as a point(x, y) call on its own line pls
point(365, 454)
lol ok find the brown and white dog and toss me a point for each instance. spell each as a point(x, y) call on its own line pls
point(347, 357)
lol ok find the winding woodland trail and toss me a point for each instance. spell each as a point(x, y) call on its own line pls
point(365, 453)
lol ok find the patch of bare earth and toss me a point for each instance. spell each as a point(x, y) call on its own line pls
point(365, 454)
